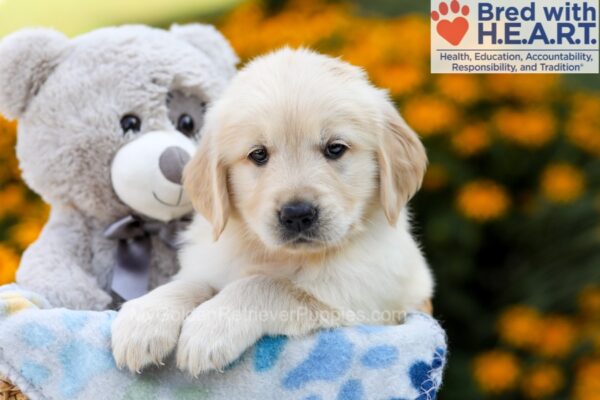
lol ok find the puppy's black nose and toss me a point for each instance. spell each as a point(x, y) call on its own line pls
point(297, 216)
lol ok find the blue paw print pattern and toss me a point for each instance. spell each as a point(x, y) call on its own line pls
point(421, 375)
point(74, 320)
point(34, 373)
point(335, 360)
point(369, 329)
point(105, 325)
point(351, 390)
point(380, 357)
point(36, 336)
point(80, 363)
point(267, 352)
point(329, 360)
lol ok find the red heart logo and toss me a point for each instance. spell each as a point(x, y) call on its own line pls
point(453, 31)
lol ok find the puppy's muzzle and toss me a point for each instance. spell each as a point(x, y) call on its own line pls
point(298, 217)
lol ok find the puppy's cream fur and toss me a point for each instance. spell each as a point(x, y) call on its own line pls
point(362, 265)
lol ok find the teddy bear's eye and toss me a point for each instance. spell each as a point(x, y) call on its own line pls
point(131, 122)
point(186, 125)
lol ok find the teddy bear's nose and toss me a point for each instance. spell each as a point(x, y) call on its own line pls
point(171, 163)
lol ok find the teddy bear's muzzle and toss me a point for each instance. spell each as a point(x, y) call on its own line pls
point(171, 163)
point(147, 173)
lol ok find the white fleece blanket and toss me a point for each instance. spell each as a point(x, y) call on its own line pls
point(64, 354)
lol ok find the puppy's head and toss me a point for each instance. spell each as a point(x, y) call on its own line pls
point(303, 149)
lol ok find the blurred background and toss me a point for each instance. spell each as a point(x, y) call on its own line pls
point(509, 214)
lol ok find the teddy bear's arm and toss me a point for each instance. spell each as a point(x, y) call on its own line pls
point(55, 265)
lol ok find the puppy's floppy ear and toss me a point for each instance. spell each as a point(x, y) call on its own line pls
point(27, 58)
point(402, 162)
point(211, 42)
point(205, 181)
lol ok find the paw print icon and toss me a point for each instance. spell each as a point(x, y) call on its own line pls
point(451, 22)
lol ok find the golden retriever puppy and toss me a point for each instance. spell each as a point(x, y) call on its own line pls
point(302, 178)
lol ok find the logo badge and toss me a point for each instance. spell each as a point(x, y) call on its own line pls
point(514, 36)
point(451, 22)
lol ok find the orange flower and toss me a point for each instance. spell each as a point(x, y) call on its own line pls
point(10, 167)
point(471, 140)
point(483, 200)
point(496, 371)
point(308, 23)
point(11, 199)
point(9, 261)
point(589, 331)
point(583, 125)
point(520, 326)
point(589, 301)
point(562, 183)
point(542, 381)
point(399, 79)
point(436, 177)
point(584, 135)
point(589, 305)
point(26, 232)
point(373, 42)
point(531, 128)
point(463, 89)
point(587, 381)
point(371, 45)
point(8, 134)
point(36, 210)
point(430, 115)
point(526, 88)
point(413, 32)
point(557, 337)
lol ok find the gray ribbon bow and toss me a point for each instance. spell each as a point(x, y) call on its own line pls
point(131, 274)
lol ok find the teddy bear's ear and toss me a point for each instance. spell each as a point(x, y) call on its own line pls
point(209, 41)
point(27, 58)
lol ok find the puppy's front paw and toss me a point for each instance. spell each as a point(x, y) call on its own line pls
point(213, 337)
point(144, 334)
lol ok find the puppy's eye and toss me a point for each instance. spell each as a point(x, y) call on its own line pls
point(259, 156)
point(131, 122)
point(186, 124)
point(335, 150)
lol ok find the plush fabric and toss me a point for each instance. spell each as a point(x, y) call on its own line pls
point(69, 96)
point(65, 354)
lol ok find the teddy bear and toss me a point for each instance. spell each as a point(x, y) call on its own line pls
point(106, 123)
